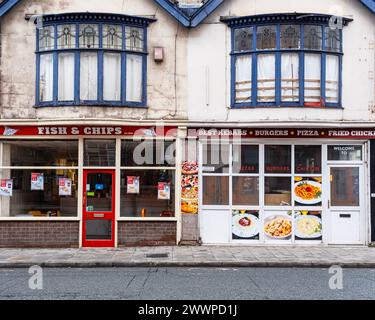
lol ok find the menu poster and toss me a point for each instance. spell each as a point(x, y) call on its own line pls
point(189, 188)
point(308, 191)
point(245, 225)
point(133, 185)
point(37, 181)
point(6, 187)
point(65, 187)
point(278, 225)
point(308, 225)
point(164, 191)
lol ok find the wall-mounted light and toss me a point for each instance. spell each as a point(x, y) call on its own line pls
point(158, 54)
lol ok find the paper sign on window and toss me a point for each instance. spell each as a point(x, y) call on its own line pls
point(6, 187)
point(133, 185)
point(164, 191)
point(65, 187)
point(37, 181)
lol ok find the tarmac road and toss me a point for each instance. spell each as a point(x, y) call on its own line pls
point(187, 283)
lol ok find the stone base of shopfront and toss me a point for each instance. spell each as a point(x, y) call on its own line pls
point(148, 233)
point(39, 234)
point(190, 230)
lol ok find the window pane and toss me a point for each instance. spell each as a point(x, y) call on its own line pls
point(134, 78)
point(148, 153)
point(243, 39)
point(30, 153)
point(216, 191)
point(290, 77)
point(278, 159)
point(245, 191)
point(99, 199)
point(112, 36)
point(266, 37)
point(332, 79)
point(146, 203)
point(290, 36)
point(112, 77)
point(278, 191)
point(266, 78)
point(50, 200)
point(89, 76)
point(312, 78)
point(307, 191)
point(333, 39)
point(313, 37)
point(134, 39)
point(46, 78)
point(345, 153)
point(216, 158)
point(47, 38)
point(243, 78)
point(66, 77)
point(66, 36)
point(308, 159)
point(345, 187)
point(101, 153)
point(98, 229)
point(89, 36)
point(245, 159)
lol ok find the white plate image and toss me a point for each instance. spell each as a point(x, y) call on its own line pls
point(306, 226)
point(308, 201)
point(245, 231)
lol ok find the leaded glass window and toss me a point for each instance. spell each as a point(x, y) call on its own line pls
point(290, 36)
point(266, 37)
point(112, 36)
point(66, 36)
point(332, 39)
point(243, 39)
point(313, 37)
point(89, 36)
point(134, 39)
point(47, 38)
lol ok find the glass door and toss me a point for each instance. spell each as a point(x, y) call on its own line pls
point(345, 203)
point(98, 208)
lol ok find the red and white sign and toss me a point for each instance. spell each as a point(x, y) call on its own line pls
point(6, 187)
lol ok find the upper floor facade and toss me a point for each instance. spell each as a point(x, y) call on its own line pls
point(193, 61)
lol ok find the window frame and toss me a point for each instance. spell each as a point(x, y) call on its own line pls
point(277, 52)
point(141, 23)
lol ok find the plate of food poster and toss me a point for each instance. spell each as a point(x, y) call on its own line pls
point(245, 225)
point(189, 206)
point(189, 168)
point(278, 226)
point(308, 225)
point(308, 192)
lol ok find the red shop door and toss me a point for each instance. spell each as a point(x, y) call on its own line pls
point(98, 208)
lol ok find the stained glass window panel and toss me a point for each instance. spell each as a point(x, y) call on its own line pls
point(333, 39)
point(266, 37)
point(313, 37)
point(134, 39)
point(47, 38)
point(112, 37)
point(89, 36)
point(66, 36)
point(243, 39)
point(290, 36)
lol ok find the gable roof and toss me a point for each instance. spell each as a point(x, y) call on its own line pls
point(189, 16)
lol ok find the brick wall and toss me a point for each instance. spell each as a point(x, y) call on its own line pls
point(39, 234)
point(148, 233)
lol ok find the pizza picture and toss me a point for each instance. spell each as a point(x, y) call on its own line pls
point(189, 168)
point(189, 181)
point(189, 206)
point(190, 193)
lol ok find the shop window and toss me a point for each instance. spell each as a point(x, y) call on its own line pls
point(29, 153)
point(273, 63)
point(147, 193)
point(245, 191)
point(278, 159)
point(148, 153)
point(245, 159)
point(277, 191)
point(216, 158)
point(91, 62)
point(216, 190)
point(308, 159)
point(40, 193)
point(100, 153)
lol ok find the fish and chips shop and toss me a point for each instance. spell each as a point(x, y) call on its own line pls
point(109, 186)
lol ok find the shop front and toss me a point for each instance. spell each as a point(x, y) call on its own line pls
point(286, 186)
point(90, 186)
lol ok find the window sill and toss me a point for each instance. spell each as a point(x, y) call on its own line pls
point(92, 104)
point(45, 219)
point(149, 219)
point(286, 106)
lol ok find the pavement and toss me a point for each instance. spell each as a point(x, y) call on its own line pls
point(190, 256)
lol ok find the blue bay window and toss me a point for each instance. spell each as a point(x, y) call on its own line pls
point(92, 59)
point(286, 60)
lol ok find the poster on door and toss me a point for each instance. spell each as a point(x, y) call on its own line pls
point(132, 185)
point(65, 187)
point(37, 181)
point(164, 191)
point(6, 187)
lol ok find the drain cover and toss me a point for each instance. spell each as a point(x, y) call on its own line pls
point(157, 255)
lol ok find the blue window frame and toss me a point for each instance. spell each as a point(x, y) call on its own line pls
point(286, 60)
point(92, 59)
